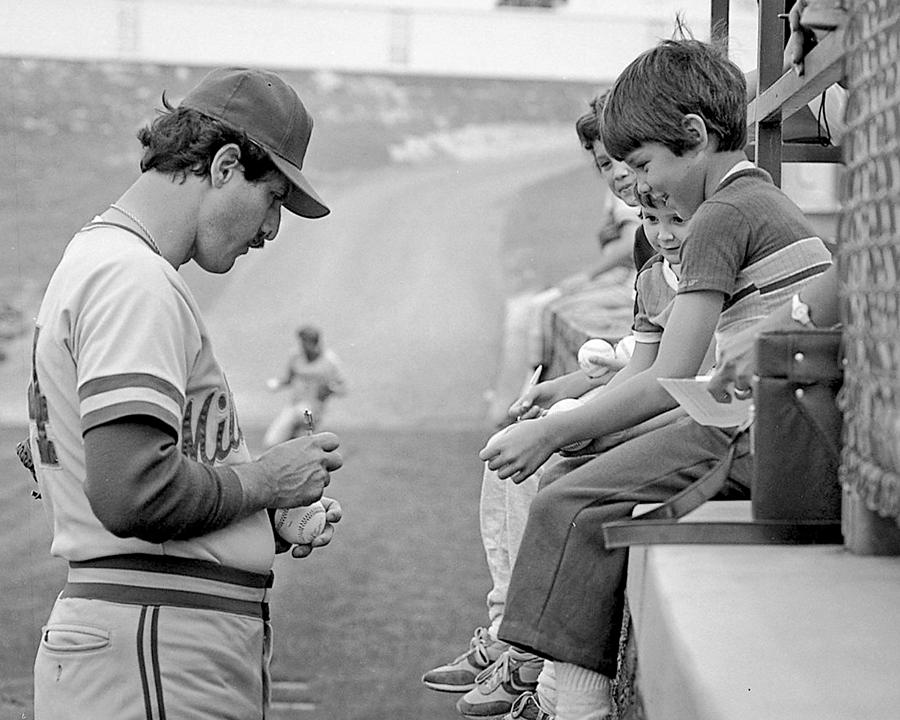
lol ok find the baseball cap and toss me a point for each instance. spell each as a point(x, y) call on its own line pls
point(261, 104)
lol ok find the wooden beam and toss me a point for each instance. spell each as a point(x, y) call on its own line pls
point(804, 152)
point(823, 67)
point(770, 49)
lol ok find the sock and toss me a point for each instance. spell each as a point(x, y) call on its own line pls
point(546, 688)
point(582, 694)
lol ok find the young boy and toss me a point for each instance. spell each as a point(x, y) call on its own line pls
point(655, 287)
point(504, 509)
point(677, 115)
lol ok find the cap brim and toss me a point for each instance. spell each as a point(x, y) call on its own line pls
point(302, 200)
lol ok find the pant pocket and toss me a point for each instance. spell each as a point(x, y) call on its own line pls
point(61, 638)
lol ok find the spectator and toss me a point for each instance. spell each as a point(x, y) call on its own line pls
point(677, 115)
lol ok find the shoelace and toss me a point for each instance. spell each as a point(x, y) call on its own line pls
point(520, 705)
point(478, 645)
point(494, 674)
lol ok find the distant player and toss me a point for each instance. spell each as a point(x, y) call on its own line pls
point(152, 495)
point(313, 374)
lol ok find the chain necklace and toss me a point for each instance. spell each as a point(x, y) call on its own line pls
point(149, 238)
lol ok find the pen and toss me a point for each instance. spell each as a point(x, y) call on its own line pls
point(531, 383)
point(310, 423)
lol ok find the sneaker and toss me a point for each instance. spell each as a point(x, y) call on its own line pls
point(459, 674)
point(527, 707)
point(498, 685)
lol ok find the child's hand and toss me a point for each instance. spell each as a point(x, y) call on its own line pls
point(598, 366)
point(533, 401)
point(734, 372)
point(518, 450)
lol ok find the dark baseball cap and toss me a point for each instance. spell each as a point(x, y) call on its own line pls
point(265, 107)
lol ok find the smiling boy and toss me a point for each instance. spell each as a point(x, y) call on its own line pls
point(677, 114)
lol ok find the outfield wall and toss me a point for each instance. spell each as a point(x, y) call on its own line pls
point(429, 39)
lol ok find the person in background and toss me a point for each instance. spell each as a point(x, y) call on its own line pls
point(313, 375)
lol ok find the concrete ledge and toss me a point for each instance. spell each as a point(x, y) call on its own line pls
point(764, 632)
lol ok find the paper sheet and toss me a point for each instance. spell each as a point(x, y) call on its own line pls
point(692, 395)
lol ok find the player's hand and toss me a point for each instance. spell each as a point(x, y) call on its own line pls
point(736, 369)
point(299, 470)
point(333, 515)
point(534, 401)
point(517, 451)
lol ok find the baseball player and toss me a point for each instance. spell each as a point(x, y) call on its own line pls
point(314, 373)
point(153, 498)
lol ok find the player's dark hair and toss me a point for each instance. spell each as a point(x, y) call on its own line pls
point(588, 125)
point(182, 141)
point(649, 100)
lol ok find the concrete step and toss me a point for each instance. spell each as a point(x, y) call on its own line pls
point(744, 632)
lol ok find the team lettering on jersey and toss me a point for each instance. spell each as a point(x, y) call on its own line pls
point(210, 431)
point(37, 412)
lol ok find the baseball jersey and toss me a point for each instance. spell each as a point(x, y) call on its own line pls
point(119, 334)
point(328, 377)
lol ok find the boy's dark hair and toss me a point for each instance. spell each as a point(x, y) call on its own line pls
point(649, 200)
point(588, 125)
point(182, 141)
point(677, 77)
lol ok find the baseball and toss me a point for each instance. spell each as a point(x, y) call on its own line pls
point(300, 525)
point(562, 406)
point(625, 348)
point(596, 348)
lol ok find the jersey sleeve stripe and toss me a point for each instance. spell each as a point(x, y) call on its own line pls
point(109, 413)
point(106, 383)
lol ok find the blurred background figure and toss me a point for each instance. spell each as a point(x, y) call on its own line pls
point(313, 374)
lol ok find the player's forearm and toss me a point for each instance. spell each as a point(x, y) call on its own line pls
point(140, 485)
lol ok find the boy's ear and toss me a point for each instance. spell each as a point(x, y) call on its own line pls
point(225, 163)
point(695, 128)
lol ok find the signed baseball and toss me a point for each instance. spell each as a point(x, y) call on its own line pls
point(596, 348)
point(562, 406)
point(300, 525)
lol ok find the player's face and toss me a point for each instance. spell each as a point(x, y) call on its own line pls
point(617, 175)
point(666, 232)
point(677, 179)
point(243, 216)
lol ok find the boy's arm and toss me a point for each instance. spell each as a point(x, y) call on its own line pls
point(543, 395)
point(519, 450)
point(681, 352)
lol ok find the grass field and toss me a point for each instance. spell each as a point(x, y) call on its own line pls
point(401, 586)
